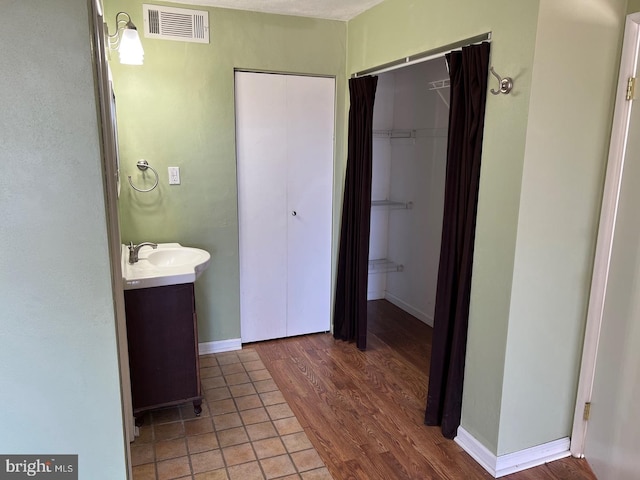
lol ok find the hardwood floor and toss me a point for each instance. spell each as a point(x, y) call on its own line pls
point(363, 411)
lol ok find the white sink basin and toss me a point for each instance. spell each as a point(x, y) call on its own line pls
point(169, 264)
point(174, 257)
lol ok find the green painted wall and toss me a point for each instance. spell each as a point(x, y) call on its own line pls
point(531, 270)
point(543, 163)
point(178, 110)
point(633, 6)
point(397, 28)
point(59, 380)
point(574, 75)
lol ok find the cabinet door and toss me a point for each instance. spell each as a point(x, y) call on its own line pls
point(284, 137)
point(163, 349)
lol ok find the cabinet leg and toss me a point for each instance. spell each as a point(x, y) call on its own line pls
point(197, 407)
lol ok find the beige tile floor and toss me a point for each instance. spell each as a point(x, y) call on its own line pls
point(246, 430)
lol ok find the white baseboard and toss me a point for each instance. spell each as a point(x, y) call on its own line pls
point(375, 295)
point(512, 462)
point(420, 315)
point(220, 346)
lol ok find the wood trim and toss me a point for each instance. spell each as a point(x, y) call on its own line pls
point(109, 171)
point(532, 457)
point(477, 450)
point(608, 213)
point(419, 314)
point(375, 295)
point(219, 346)
point(502, 465)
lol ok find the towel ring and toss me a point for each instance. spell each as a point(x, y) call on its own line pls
point(143, 165)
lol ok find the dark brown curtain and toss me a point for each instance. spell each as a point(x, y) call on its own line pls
point(468, 70)
point(350, 309)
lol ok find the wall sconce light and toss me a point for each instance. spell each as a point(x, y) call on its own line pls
point(126, 40)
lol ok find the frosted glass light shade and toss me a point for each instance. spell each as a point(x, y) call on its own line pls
point(130, 50)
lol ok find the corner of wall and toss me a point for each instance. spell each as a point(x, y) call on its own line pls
point(566, 143)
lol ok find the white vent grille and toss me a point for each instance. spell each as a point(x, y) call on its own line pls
point(179, 24)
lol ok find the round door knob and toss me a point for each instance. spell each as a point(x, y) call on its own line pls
point(294, 213)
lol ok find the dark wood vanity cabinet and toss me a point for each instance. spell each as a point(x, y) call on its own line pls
point(163, 347)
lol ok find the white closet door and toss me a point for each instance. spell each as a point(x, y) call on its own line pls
point(262, 203)
point(285, 169)
point(310, 123)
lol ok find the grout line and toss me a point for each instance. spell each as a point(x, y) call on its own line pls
point(253, 448)
point(182, 421)
point(213, 423)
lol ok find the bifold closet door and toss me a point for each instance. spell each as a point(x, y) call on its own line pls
point(261, 132)
point(284, 130)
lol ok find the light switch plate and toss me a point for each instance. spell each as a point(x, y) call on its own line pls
point(174, 175)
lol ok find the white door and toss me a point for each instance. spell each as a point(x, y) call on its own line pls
point(612, 444)
point(310, 161)
point(262, 204)
point(284, 128)
point(613, 325)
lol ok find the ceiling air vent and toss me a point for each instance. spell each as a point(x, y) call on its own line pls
point(181, 24)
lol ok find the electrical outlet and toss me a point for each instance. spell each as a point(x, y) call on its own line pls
point(174, 175)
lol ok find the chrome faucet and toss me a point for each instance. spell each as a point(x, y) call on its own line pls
point(134, 249)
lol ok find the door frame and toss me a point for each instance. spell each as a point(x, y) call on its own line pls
point(606, 230)
point(110, 173)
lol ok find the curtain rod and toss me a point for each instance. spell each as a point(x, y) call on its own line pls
point(424, 56)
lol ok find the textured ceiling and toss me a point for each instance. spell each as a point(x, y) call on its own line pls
point(329, 9)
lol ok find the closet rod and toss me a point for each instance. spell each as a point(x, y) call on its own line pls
point(424, 56)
